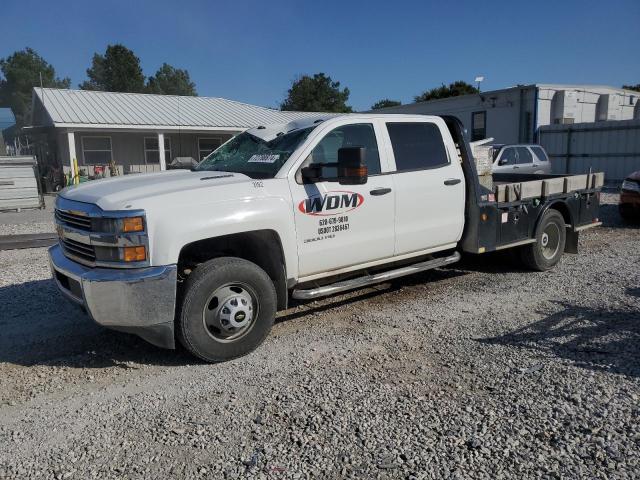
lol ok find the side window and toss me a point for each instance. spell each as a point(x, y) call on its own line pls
point(417, 146)
point(524, 155)
point(508, 156)
point(540, 153)
point(358, 135)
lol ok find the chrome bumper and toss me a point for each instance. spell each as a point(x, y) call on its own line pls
point(140, 301)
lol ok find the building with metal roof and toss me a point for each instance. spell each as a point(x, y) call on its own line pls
point(100, 129)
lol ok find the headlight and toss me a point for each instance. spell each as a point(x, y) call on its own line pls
point(118, 225)
point(631, 186)
point(132, 224)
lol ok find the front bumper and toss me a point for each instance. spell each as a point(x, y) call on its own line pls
point(140, 301)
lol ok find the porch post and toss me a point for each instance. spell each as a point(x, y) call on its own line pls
point(163, 161)
point(72, 157)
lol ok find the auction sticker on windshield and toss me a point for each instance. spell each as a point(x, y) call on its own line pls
point(266, 158)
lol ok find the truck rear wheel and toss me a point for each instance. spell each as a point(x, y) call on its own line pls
point(228, 309)
point(551, 236)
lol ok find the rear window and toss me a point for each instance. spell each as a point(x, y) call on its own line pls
point(540, 153)
point(417, 146)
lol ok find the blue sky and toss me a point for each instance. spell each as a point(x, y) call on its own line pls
point(251, 50)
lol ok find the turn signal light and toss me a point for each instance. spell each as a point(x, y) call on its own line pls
point(132, 224)
point(135, 254)
point(355, 171)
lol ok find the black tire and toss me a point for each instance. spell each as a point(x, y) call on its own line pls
point(628, 214)
point(202, 332)
point(551, 235)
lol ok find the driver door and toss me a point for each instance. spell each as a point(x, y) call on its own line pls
point(339, 226)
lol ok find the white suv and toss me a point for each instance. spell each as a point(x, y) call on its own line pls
point(520, 159)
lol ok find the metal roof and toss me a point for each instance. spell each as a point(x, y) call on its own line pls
point(96, 109)
point(6, 118)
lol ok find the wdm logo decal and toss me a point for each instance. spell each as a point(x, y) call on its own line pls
point(331, 203)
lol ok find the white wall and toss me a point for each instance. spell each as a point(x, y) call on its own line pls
point(582, 104)
point(504, 121)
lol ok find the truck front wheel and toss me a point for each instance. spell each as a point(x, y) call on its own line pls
point(550, 237)
point(228, 308)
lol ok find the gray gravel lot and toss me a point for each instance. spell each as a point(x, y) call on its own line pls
point(33, 220)
point(481, 370)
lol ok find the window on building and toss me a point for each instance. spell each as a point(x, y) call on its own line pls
point(207, 145)
point(96, 150)
point(417, 146)
point(358, 135)
point(478, 126)
point(151, 152)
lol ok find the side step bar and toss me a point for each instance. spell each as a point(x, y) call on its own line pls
point(371, 279)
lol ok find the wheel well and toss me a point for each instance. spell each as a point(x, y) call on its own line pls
point(564, 211)
point(262, 247)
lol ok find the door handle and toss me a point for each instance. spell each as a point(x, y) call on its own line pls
point(452, 181)
point(515, 166)
point(380, 191)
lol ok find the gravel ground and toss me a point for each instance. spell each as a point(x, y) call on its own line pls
point(477, 371)
point(30, 220)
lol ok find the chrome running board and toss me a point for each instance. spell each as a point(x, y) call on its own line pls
point(359, 282)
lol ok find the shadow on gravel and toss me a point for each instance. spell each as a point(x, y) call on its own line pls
point(39, 327)
point(363, 294)
point(633, 292)
point(506, 261)
point(610, 217)
point(596, 339)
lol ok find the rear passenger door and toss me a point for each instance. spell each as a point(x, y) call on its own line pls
point(428, 185)
point(524, 162)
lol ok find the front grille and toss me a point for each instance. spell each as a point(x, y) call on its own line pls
point(73, 220)
point(79, 250)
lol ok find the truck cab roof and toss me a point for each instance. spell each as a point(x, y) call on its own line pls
point(268, 132)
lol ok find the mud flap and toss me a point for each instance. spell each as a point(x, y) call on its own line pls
point(571, 244)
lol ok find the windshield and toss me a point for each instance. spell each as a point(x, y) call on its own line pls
point(253, 156)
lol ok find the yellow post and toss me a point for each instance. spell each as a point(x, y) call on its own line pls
point(76, 172)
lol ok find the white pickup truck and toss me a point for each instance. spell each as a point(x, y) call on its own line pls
point(301, 210)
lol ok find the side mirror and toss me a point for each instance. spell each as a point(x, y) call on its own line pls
point(502, 162)
point(311, 174)
point(352, 168)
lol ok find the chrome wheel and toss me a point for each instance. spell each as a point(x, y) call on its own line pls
point(229, 313)
point(550, 240)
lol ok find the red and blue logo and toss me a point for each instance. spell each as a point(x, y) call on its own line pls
point(331, 203)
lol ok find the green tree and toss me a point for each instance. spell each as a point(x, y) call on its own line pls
point(635, 87)
point(316, 94)
point(452, 90)
point(385, 103)
point(169, 80)
point(20, 73)
point(118, 70)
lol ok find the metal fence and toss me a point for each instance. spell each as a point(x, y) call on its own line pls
point(612, 147)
